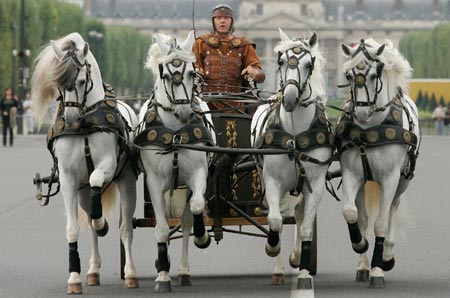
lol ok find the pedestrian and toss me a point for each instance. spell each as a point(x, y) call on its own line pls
point(28, 117)
point(447, 120)
point(225, 61)
point(8, 109)
point(438, 118)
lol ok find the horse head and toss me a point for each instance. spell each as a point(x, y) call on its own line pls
point(364, 72)
point(72, 76)
point(295, 65)
point(173, 63)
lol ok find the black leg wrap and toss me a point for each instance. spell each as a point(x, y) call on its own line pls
point(273, 238)
point(305, 256)
point(74, 258)
point(96, 202)
point(162, 264)
point(199, 225)
point(355, 233)
point(377, 258)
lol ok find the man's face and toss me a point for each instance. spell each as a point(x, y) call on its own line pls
point(223, 24)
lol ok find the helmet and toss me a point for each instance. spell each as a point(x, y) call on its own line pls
point(222, 10)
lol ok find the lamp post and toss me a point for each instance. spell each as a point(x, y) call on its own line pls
point(22, 53)
point(13, 27)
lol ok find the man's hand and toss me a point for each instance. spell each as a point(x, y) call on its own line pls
point(254, 73)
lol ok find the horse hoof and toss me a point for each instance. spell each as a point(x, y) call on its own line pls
point(204, 245)
point(184, 280)
point(278, 279)
point(74, 289)
point(131, 283)
point(273, 251)
point(363, 249)
point(163, 287)
point(388, 265)
point(362, 275)
point(304, 284)
point(93, 279)
point(292, 263)
point(103, 231)
point(376, 282)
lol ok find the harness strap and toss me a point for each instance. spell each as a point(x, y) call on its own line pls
point(88, 156)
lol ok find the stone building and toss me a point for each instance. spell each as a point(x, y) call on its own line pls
point(335, 21)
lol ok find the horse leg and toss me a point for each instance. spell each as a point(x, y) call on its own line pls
point(273, 196)
point(99, 223)
point(197, 204)
point(381, 228)
point(388, 253)
point(294, 258)
point(184, 277)
point(68, 189)
point(351, 186)
point(362, 271)
point(126, 184)
point(93, 274)
point(311, 203)
point(156, 186)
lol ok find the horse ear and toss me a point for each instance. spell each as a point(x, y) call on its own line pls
point(380, 49)
point(313, 40)
point(85, 49)
point(162, 41)
point(346, 49)
point(189, 41)
point(283, 36)
point(58, 52)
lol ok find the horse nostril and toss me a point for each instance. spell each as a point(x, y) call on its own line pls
point(176, 115)
point(192, 115)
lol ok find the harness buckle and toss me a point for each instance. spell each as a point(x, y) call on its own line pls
point(290, 144)
point(176, 140)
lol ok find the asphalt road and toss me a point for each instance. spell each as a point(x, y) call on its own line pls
point(34, 262)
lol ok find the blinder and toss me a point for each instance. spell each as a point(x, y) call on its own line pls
point(293, 64)
point(176, 77)
point(72, 55)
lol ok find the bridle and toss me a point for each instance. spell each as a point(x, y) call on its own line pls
point(359, 79)
point(172, 80)
point(293, 62)
point(72, 54)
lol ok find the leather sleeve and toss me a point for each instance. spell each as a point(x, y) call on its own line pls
point(251, 58)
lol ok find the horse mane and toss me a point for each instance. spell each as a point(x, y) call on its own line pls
point(396, 67)
point(317, 80)
point(155, 57)
point(49, 73)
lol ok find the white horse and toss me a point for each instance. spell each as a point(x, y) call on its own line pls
point(87, 141)
point(172, 116)
point(297, 122)
point(378, 144)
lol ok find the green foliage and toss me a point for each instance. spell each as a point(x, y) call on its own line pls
point(428, 52)
point(120, 53)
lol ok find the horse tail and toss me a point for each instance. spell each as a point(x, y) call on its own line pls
point(176, 203)
point(372, 200)
point(109, 197)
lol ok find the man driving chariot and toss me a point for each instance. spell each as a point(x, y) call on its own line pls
point(224, 60)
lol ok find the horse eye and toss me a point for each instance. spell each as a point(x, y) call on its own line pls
point(82, 82)
point(308, 65)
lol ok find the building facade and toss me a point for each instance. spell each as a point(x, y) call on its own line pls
point(335, 21)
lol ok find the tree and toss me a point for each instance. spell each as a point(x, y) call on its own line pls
point(419, 98)
point(433, 102)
